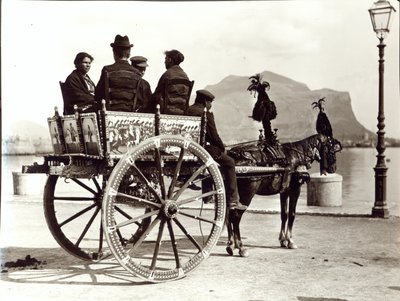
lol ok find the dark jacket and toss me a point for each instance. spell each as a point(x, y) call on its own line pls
point(122, 95)
point(214, 144)
point(173, 99)
point(76, 92)
point(144, 95)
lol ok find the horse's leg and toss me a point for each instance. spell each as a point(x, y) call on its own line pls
point(247, 189)
point(238, 239)
point(284, 216)
point(230, 243)
point(293, 197)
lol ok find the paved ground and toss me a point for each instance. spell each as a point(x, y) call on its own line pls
point(339, 258)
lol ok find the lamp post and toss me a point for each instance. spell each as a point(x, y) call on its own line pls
point(381, 15)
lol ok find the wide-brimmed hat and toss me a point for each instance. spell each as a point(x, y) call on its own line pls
point(139, 61)
point(121, 41)
point(205, 94)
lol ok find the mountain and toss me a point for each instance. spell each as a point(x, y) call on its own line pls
point(296, 118)
point(26, 137)
point(27, 129)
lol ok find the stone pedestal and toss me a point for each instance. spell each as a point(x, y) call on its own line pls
point(28, 183)
point(325, 191)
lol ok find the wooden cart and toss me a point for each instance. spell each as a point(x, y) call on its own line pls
point(118, 186)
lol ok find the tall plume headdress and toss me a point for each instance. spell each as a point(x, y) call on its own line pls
point(323, 125)
point(257, 84)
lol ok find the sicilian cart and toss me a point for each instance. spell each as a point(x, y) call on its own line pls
point(118, 187)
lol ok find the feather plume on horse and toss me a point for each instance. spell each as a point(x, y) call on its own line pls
point(323, 126)
point(264, 109)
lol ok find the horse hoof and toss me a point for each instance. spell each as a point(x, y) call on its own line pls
point(291, 245)
point(243, 253)
point(229, 251)
point(283, 244)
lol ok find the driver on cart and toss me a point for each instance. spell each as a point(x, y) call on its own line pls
point(216, 148)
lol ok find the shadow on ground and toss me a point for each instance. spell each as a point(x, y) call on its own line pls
point(58, 267)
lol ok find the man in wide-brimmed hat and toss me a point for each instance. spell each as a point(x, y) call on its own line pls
point(121, 94)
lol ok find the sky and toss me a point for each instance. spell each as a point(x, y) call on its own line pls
point(322, 43)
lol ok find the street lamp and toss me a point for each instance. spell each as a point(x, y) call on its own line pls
point(381, 15)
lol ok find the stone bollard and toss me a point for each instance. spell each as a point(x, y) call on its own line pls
point(325, 191)
point(28, 183)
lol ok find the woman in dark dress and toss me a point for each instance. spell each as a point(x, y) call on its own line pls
point(78, 87)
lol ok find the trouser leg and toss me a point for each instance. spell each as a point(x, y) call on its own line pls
point(232, 194)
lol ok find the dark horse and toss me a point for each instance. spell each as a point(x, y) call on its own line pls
point(295, 158)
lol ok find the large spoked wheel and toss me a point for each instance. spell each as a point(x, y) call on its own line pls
point(181, 230)
point(72, 209)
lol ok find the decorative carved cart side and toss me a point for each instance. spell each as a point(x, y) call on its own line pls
point(118, 185)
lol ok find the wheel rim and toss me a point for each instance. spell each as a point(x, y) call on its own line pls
point(182, 232)
point(73, 214)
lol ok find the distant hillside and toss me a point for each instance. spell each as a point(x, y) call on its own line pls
point(296, 117)
point(26, 137)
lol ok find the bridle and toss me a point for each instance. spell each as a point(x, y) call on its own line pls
point(312, 147)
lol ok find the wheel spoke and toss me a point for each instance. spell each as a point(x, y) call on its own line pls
point(77, 215)
point(121, 238)
point(188, 235)
point(136, 219)
point(96, 183)
point(84, 185)
point(196, 198)
point(194, 176)
point(101, 237)
point(87, 226)
point(200, 218)
point(140, 200)
point(144, 235)
point(122, 212)
point(176, 173)
point(157, 246)
point(174, 244)
point(72, 198)
point(159, 163)
point(147, 182)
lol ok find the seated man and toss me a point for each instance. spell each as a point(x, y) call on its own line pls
point(123, 94)
point(139, 63)
point(216, 148)
point(172, 99)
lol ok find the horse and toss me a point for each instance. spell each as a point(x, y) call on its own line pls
point(296, 158)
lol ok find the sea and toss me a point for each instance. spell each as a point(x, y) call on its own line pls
point(355, 165)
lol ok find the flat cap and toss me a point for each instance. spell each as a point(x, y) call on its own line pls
point(139, 61)
point(205, 94)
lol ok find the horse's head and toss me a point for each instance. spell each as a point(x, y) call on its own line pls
point(328, 148)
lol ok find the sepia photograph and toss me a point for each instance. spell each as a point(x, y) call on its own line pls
point(200, 150)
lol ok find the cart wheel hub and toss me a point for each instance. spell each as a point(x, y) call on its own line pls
point(171, 209)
